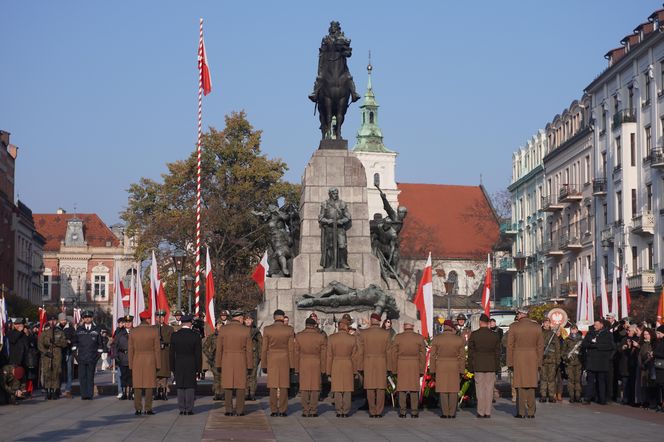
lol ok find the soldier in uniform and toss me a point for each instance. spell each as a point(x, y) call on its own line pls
point(343, 354)
point(10, 384)
point(310, 351)
point(234, 359)
point(408, 358)
point(210, 352)
point(448, 361)
point(277, 358)
point(51, 342)
point(144, 363)
point(186, 362)
point(177, 324)
point(525, 347)
point(121, 351)
point(88, 347)
point(376, 344)
point(256, 344)
point(550, 363)
point(165, 332)
point(223, 317)
point(570, 355)
point(484, 361)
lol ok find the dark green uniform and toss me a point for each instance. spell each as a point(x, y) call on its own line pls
point(256, 345)
point(550, 364)
point(50, 343)
point(9, 385)
point(210, 352)
point(570, 355)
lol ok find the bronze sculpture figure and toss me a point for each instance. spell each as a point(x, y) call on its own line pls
point(339, 298)
point(334, 219)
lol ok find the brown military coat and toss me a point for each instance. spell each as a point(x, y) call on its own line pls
point(343, 352)
point(483, 351)
point(376, 345)
point(277, 354)
point(165, 332)
point(234, 355)
point(310, 349)
point(144, 356)
point(525, 346)
point(448, 361)
point(408, 358)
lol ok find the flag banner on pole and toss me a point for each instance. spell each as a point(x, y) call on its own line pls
point(77, 316)
point(3, 325)
point(590, 297)
point(139, 303)
point(203, 68)
point(579, 293)
point(42, 319)
point(614, 293)
point(582, 303)
point(424, 300)
point(660, 309)
point(486, 293)
point(603, 293)
point(132, 296)
point(118, 294)
point(209, 291)
point(157, 294)
point(625, 298)
point(260, 273)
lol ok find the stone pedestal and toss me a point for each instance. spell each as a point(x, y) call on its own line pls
point(328, 167)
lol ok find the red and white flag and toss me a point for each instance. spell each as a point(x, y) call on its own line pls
point(42, 319)
point(158, 300)
point(486, 293)
point(424, 300)
point(203, 68)
point(660, 309)
point(77, 316)
point(261, 272)
point(614, 293)
point(590, 298)
point(139, 300)
point(118, 294)
point(209, 291)
point(625, 298)
point(603, 293)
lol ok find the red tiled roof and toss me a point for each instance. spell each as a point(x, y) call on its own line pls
point(53, 227)
point(450, 221)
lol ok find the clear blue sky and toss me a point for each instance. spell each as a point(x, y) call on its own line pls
point(97, 94)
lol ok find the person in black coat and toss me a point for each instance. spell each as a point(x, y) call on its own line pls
point(88, 347)
point(186, 361)
point(598, 347)
point(18, 346)
point(658, 355)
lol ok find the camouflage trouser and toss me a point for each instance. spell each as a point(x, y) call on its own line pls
point(162, 383)
point(548, 380)
point(252, 380)
point(574, 381)
point(51, 376)
point(216, 384)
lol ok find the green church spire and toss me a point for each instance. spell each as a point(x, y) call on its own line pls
point(369, 135)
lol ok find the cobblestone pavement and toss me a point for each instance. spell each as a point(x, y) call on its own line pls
point(109, 419)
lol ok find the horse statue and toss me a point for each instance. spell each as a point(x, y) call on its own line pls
point(334, 87)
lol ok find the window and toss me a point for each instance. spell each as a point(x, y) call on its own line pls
point(650, 256)
point(646, 92)
point(661, 76)
point(618, 161)
point(630, 97)
point(606, 263)
point(649, 197)
point(377, 179)
point(635, 259)
point(100, 286)
point(371, 117)
point(619, 217)
point(648, 140)
point(633, 203)
point(604, 120)
point(632, 150)
point(603, 164)
point(587, 169)
point(47, 279)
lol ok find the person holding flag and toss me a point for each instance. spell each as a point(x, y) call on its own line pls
point(51, 343)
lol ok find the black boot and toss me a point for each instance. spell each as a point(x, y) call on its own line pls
point(131, 394)
point(164, 393)
point(48, 394)
point(57, 393)
point(124, 394)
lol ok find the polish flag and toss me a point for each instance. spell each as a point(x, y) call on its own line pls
point(590, 297)
point(157, 295)
point(604, 294)
point(118, 292)
point(42, 319)
point(203, 68)
point(614, 293)
point(581, 304)
point(139, 300)
point(261, 272)
point(209, 291)
point(126, 296)
point(424, 300)
point(660, 309)
point(625, 298)
point(77, 316)
point(486, 294)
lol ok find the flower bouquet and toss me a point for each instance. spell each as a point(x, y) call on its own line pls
point(392, 387)
point(467, 380)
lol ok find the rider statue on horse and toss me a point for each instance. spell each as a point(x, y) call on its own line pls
point(334, 85)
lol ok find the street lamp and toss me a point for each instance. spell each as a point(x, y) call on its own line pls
point(449, 288)
point(178, 261)
point(520, 264)
point(189, 286)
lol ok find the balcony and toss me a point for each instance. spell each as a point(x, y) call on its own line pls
point(552, 248)
point(506, 264)
point(623, 116)
point(606, 235)
point(508, 228)
point(568, 288)
point(643, 281)
point(549, 204)
point(599, 187)
point(657, 158)
point(569, 193)
point(570, 242)
point(644, 223)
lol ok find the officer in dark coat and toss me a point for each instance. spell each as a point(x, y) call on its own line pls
point(186, 361)
point(598, 346)
point(18, 346)
point(121, 351)
point(88, 347)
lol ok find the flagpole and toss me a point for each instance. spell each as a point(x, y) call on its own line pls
point(198, 170)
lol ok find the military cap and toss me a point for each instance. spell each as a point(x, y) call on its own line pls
point(408, 322)
point(224, 313)
point(313, 315)
point(62, 317)
point(128, 318)
point(87, 314)
point(236, 313)
point(178, 313)
point(145, 315)
point(121, 319)
point(448, 323)
point(187, 318)
point(347, 317)
point(660, 329)
point(52, 317)
point(279, 312)
point(522, 311)
point(375, 317)
point(310, 321)
point(484, 318)
point(461, 316)
point(160, 313)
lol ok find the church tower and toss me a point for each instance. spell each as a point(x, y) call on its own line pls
point(379, 162)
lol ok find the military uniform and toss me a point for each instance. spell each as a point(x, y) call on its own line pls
point(144, 363)
point(570, 355)
point(448, 361)
point(252, 374)
point(550, 364)
point(277, 359)
point(165, 332)
point(343, 354)
point(525, 347)
point(10, 386)
point(234, 356)
point(309, 361)
point(375, 342)
point(88, 347)
point(210, 352)
point(408, 359)
point(50, 343)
